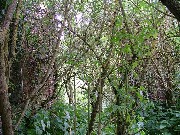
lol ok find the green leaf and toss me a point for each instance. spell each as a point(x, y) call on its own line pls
point(48, 124)
point(135, 64)
point(115, 39)
point(163, 126)
point(38, 131)
point(43, 125)
point(127, 49)
point(142, 88)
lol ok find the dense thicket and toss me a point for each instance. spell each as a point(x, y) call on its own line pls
point(89, 67)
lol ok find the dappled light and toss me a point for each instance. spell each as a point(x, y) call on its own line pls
point(89, 67)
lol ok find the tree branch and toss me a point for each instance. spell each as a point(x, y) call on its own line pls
point(7, 20)
point(173, 6)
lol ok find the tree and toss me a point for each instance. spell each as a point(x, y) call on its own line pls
point(173, 6)
point(12, 40)
point(5, 107)
point(110, 59)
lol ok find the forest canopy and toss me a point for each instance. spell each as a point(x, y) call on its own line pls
point(89, 67)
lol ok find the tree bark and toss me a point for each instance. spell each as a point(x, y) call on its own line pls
point(173, 6)
point(95, 105)
point(7, 20)
point(5, 107)
point(120, 123)
point(120, 130)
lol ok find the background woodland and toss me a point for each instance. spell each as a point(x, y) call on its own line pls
point(99, 67)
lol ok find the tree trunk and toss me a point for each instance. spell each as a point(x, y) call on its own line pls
point(120, 122)
point(5, 107)
point(173, 6)
point(120, 130)
point(95, 105)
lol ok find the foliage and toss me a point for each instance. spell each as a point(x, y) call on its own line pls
point(155, 119)
point(162, 120)
point(57, 120)
point(100, 66)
